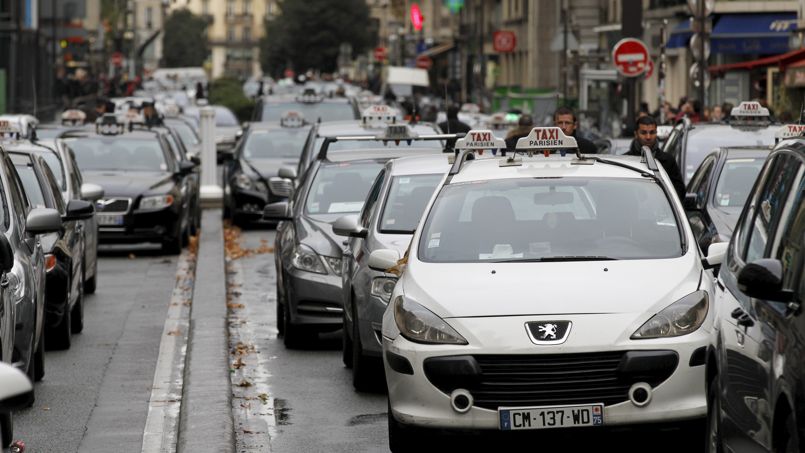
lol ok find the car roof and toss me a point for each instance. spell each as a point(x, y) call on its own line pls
point(275, 125)
point(354, 127)
point(420, 165)
point(380, 153)
point(551, 167)
point(732, 152)
point(285, 98)
point(722, 128)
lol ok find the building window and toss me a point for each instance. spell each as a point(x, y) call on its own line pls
point(247, 7)
point(205, 7)
point(230, 8)
point(149, 18)
point(230, 35)
point(247, 34)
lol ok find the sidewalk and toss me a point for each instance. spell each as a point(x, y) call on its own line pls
point(206, 423)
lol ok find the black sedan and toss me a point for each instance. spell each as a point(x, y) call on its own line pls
point(250, 177)
point(145, 186)
point(718, 189)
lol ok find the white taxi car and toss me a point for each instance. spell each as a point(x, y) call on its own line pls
point(547, 290)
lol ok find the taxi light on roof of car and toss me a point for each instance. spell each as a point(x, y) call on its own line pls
point(10, 128)
point(398, 132)
point(480, 139)
point(292, 118)
point(789, 131)
point(547, 139)
point(108, 125)
point(73, 117)
point(750, 110)
point(309, 96)
point(171, 110)
point(378, 114)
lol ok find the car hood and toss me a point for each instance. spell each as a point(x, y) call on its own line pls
point(725, 221)
point(128, 183)
point(319, 236)
point(269, 167)
point(457, 290)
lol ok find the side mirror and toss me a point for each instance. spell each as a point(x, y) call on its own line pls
point(78, 210)
point(383, 259)
point(15, 393)
point(715, 254)
point(224, 155)
point(763, 279)
point(278, 211)
point(287, 173)
point(91, 192)
point(43, 221)
point(195, 158)
point(349, 225)
point(281, 187)
point(186, 167)
point(691, 202)
point(6, 254)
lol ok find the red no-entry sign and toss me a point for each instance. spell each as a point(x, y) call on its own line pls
point(630, 56)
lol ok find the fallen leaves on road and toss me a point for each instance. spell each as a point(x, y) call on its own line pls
point(263, 397)
point(233, 249)
point(175, 332)
point(234, 306)
point(244, 383)
point(238, 363)
point(242, 349)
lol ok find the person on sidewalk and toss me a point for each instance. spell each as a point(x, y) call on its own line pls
point(453, 125)
point(565, 119)
point(646, 135)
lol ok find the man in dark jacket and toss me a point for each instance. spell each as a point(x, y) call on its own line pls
point(453, 125)
point(646, 135)
point(565, 119)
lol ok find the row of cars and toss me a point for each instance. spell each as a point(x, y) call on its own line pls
point(66, 188)
point(461, 276)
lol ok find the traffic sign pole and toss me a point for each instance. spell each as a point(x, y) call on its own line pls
point(632, 27)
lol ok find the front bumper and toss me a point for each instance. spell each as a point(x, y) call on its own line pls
point(370, 323)
point(415, 400)
point(249, 204)
point(314, 299)
point(143, 226)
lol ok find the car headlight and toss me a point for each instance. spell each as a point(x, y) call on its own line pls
point(420, 325)
point(305, 259)
point(382, 287)
point(244, 182)
point(334, 263)
point(680, 318)
point(16, 285)
point(156, 201)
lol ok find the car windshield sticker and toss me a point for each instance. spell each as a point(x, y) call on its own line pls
point(344, 206)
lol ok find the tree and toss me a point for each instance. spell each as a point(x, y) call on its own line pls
point(185, 40)
point(307, 34)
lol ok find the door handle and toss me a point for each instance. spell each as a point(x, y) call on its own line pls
point(745, 321)
point(737, 313)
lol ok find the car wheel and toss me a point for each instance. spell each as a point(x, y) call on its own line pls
point(713, 418)
point(294, 336)
point(227, 211)
point(6, 429)
point(172, 246)
point(77, 316)
point(195, 223)
point(280, 310)
point(346, 344)
point(59, 337)
point(364, 375)
point(91, 283)
point(39, 360)
point(791, 443)
point(403, 438)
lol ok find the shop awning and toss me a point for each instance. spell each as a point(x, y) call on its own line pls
point(437, 50)
point(753, 33)
point(782, 60)
point(680, 35)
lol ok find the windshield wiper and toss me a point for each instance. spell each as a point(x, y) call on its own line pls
point(549, 259)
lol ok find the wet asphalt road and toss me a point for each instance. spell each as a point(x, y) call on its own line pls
point(94, 397)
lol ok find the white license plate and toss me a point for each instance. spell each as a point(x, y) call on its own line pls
point(110, 220)
point(551, 417)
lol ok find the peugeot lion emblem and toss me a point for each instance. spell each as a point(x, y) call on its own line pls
point(548, 332)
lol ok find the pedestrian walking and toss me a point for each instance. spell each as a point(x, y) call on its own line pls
point(646, 135)
point(565, 119)
point(453, 125)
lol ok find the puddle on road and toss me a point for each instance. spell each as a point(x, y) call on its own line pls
point(281, 412)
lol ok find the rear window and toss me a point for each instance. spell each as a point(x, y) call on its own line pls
point(340, 189)
point(324, 111)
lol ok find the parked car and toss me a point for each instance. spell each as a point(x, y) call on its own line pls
point(15, 392)
point(64, 250)
point(755, 368)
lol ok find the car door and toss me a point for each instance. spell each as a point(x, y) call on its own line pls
point(698, 219)
point(746, 332)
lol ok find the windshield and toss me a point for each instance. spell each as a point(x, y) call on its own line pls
point(31, 186)
point(186, 132)
point(286, 142)
point(406, 201)
point(224, 117)
point(340, 189)
point(118, 154)
point(550, 219)
point(347, 145)
point(702, 141)
point(326, 111)
point(735, 182)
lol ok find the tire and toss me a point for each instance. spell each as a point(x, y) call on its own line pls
point(294, 336)
point(39, 359)
point(59, 336)
point(172, 246)
point(77, 315)
point(791, 443)
point(346, 344)
point(404, 438)
point(91, 284)
point(713, 442)
point(280, 311)
point(6, 429)
point(364, 369)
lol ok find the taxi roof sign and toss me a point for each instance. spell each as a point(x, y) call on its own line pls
point(378, 114)
point(108, 125)
point(73, 117)
point(398, 132)
point(789, 131)
point(480, 139)
point(543, 138)
point(749, 109)
point(292, 118)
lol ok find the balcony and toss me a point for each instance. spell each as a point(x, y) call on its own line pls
point(239, 18)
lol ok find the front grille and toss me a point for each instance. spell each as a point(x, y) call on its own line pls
point(113, 205)
point(549, 379)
